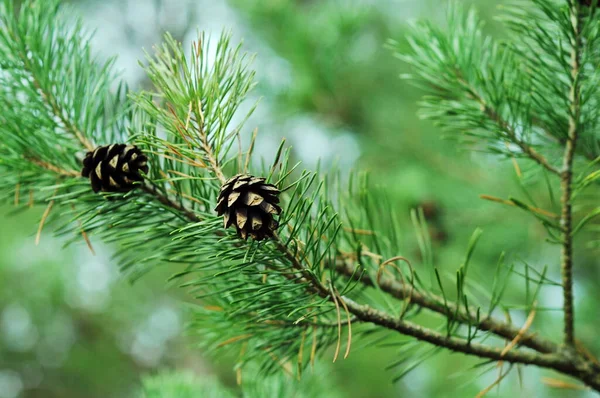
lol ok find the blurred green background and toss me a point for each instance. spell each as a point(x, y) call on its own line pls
point(70, 326)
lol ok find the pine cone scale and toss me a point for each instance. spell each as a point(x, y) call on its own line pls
point(241, 217)
point(252, 199)
point(249, 204)
point(233, 197)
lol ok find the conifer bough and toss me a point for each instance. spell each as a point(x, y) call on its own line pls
point(114, 168)
point(249, 203)
point(276, 302)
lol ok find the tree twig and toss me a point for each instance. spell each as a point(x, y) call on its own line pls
point(449, 309)
point(212, 158)
point(53, 168)
point(567, 177)
point(508, 129)
point(574, 366)
point(51, 101)
point(167, 201)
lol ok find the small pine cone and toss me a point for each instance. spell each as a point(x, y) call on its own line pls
point(249, 204)
point(114, 168)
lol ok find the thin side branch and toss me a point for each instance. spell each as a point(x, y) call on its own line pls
point(449, 309)
point(68, 126)
point(509, 131)
point(51, 101)
point(212, 158)
point(54, 169)
point(567, 177)
point(576, 367)
point(168, 201)
point(48, 97)
point(368, 314)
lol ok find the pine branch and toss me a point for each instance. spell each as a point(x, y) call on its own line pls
point(567, 176)
point(57, 111)
point(511, 134)
point(166, 200)
point(450, 310)
point(579, 367)
point(45, 91)
point(277, 291)
point(55, 169)
point(210, 155)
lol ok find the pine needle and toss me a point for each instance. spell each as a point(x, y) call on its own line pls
point(521, 333)
point(339, 323)
point(43, 221)
point(84, 234)
point(186, 196)
point(17, 192)
point(514, 161)
point(238, 371)
point(313, 349)
point(359, 231)
point(563, 385)
point(285, 366)
point(234, 339)
point(349, 343)
point(581, 348)
point(511, 203)
point(301, 352)
point(250, 149)
point(189, 117)
point(489, 388)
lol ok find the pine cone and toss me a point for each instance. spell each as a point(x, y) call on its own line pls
point(250, 204)
point(114, 168)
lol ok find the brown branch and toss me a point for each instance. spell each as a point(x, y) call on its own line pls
point(574, 366)
point(512, 135)
point(583, 151)
point(536, 210)
point(371, 315)
point(52, 102)
point(567, 178)
point(450, 310)
point(168, 201)
point(53, 168)
point(366, 313)
point(212, 159)
point(508, 129)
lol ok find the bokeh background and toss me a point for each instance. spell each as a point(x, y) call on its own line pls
point(71, 326)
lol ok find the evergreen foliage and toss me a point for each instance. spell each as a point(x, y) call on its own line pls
point(333, 273)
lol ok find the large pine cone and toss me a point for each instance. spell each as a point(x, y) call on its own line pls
point(114, 168)
point(249, 204)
